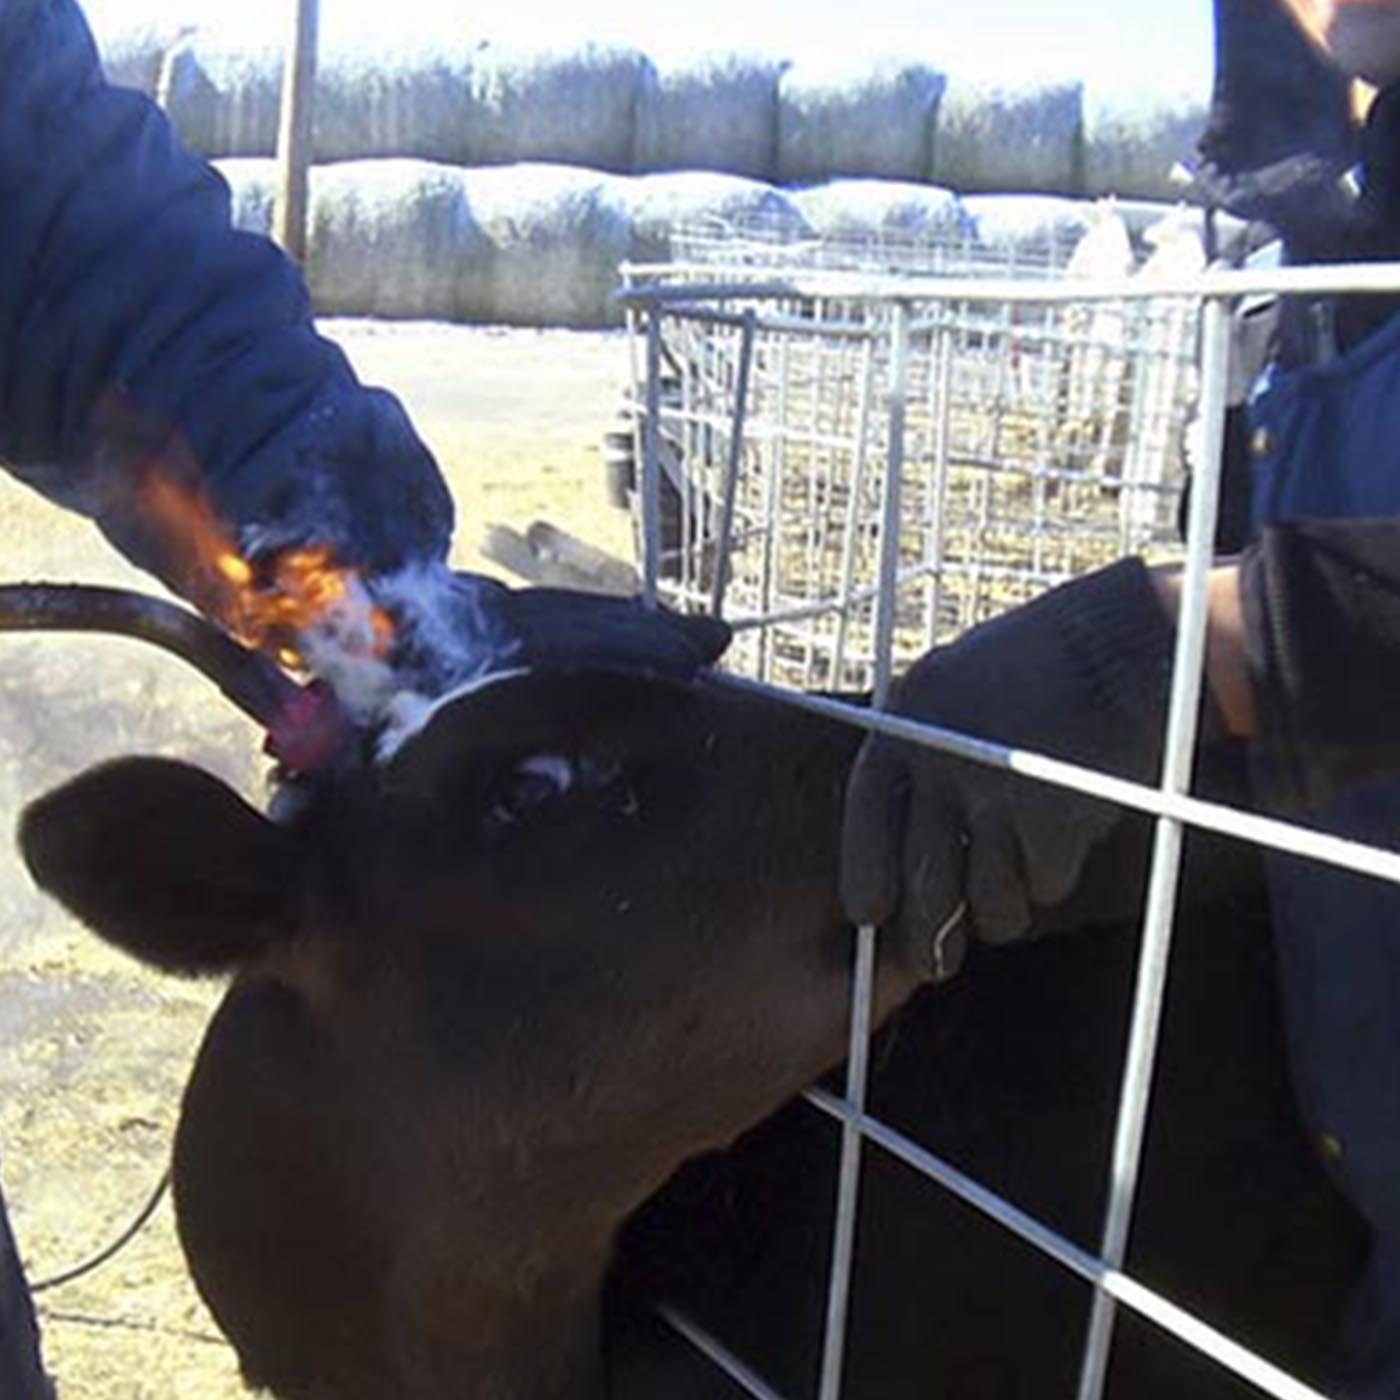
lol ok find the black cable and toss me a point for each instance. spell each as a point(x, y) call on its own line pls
point(96, 1261)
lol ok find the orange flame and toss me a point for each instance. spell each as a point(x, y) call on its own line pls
point(266, 606)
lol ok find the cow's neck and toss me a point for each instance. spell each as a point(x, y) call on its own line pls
point(510, 1334)
point(556, 1354)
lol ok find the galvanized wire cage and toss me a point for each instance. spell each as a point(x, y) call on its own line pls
point(1038, 440)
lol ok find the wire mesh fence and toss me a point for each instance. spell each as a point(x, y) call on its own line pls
point(838, 528)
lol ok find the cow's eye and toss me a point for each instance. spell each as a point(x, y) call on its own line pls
point(533, 787)
point(532, 784)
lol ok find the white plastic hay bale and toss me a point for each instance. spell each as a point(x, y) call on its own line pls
point(554, 238)
point(1030, 227)
point(1008, 136)
point(1092, 428)
point(392, 238)
point(854, 209)
point(657, 205)
point(715, 111)
point(1106, 250)
point(223, 94)
point(574, 104)
point(1134, 139)
point(520, 245)
point(474, 103)
point(407, 96)
point(872, 119)
point(1174, 245)
point(252, 182)
point(1166, 378)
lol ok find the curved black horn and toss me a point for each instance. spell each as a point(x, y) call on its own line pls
point(250, 680)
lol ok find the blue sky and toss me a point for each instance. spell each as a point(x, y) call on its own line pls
point(1125, 42)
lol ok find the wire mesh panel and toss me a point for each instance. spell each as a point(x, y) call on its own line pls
point(951, 248)
point(1040, 440)
point(1044, 425)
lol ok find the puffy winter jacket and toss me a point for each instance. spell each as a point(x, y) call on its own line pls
point(135, 319)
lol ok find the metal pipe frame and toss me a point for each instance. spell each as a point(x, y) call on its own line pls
point(732, 460)
point(863, 978)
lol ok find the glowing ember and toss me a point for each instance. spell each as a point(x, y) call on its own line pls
point(268, 606)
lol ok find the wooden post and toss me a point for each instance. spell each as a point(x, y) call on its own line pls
point(294, 131)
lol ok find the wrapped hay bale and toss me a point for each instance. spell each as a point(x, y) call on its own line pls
point(872, 120)
point(473, 103)
point(399, 97)
point(1134, 139)
point(655, 206)
point(553, 239)
point(1030, 228)
point(572, 105)
point(387, 237)
point(992, 136)
point(516, 245)
point(524, 245)
point(406, 97)
point(883, 212)
point(222, 95)
point(713, 112)
point(393, 238)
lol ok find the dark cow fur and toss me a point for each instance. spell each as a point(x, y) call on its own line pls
point(476, 1021)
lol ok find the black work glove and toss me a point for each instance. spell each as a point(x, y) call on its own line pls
point(564, 630)
point(455, 628)
point(939, 849)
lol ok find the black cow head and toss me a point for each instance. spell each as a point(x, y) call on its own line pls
point(485, 999)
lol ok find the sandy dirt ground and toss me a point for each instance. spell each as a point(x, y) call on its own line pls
point(94, 1051)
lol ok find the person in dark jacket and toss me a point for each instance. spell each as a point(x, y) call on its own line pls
point(141, 334)
point(144, 341)
point(1304, 652)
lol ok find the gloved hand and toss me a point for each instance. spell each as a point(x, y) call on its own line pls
point(347, 472)
point(193, 359)
point(562, 630)
point(455, 628)
point(939, 849)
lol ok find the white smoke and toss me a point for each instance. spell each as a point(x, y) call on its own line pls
point(448, 636)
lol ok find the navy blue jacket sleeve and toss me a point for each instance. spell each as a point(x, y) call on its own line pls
point(133, 315)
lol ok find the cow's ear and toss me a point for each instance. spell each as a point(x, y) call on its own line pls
point(164, 861)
